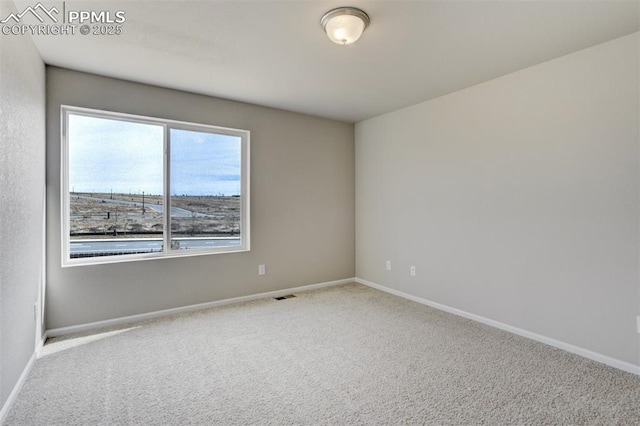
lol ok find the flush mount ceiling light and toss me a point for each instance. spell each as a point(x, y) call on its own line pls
point(344, 25)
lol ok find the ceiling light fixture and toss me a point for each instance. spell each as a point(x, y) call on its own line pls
point(344, 25)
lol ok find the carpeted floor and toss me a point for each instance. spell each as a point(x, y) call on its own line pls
point(340, 355)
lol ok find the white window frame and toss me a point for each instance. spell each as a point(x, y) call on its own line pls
point(167, 251)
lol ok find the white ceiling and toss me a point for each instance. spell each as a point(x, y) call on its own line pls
point(274, 53)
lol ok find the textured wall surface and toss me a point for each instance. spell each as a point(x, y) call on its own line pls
point(22, 165)
point(302, 207)
point(516, 200)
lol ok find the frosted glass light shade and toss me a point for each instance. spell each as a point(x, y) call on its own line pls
point(344, 25)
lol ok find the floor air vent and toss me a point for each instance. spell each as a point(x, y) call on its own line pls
point(288, 296)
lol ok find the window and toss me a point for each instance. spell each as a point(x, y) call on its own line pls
point(138, 188)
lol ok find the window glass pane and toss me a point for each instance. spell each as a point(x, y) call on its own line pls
point(122, 188)
point(206, 196)
point(115, 186)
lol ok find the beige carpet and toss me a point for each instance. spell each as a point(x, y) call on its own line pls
point(341, 355)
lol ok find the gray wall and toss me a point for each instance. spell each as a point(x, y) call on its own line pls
point(516, 199)
point(302, 207)
point(22, 159)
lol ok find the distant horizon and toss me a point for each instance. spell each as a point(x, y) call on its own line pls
point(152, 195)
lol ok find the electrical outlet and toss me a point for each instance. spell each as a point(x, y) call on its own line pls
point(388, 265)
point(412, 271)
point(261, 270)
point(638, 320)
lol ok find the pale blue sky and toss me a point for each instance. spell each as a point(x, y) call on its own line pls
point(112, 155)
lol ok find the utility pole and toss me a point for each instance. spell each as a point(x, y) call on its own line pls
point(142, 203)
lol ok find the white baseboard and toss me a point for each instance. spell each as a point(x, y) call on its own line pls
point(16, 389)
point(595, 356)
point(54, 332)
